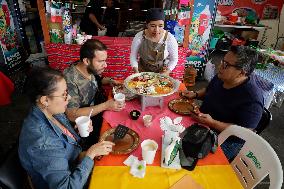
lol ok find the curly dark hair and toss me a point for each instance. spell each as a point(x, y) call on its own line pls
point(89, 48)
point(247, 58)
point(42, 82)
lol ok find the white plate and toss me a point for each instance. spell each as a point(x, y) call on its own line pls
point(176, 84)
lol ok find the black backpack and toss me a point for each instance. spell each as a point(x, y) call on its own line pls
point(196, 143)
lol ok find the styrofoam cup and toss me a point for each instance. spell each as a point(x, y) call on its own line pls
point(119, 97)
point(147, 119)
point(83, 123)
point(149, 148)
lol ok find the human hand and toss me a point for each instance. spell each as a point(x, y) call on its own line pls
point(101, 27)
point(165, 71)
point(114, 83)
point(100, 149)
point(188, 94)
point(135, 69)
point(90, 128)
point(203, 118)
point(115, 105)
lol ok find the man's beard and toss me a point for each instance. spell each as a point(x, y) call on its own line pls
point(91, 69)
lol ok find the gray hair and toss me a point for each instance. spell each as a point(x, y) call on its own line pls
point(247, 58)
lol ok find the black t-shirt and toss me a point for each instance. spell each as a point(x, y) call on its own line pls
point(93, 7)
point(241, 105)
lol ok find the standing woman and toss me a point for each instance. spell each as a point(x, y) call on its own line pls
point(49, 147)
point(157, 48)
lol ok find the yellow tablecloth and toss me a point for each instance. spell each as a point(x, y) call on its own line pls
point(118, 177)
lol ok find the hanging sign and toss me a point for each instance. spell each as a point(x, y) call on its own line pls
point(261, 8)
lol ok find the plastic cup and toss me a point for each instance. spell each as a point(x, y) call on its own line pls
point(147, 119)
point(119, 97)
point(83, 123)
point(149, 148)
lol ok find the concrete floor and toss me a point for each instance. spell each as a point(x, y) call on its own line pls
point(11, 117)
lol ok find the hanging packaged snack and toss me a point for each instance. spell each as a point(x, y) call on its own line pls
point(66, 24)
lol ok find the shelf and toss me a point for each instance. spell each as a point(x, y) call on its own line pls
point(240, 27)
point(77, 12)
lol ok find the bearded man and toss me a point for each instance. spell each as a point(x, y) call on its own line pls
point(84, 84)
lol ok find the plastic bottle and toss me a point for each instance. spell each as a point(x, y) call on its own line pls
point(189, 76)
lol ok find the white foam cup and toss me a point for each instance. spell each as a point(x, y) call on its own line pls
point(83, 123)
point(119, 97)
point(149, 148)
point(147, 119)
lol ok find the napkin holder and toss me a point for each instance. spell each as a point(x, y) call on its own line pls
point(175, 164)
point(172, 130)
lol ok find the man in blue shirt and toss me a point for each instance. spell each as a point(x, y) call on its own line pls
point(232, 97)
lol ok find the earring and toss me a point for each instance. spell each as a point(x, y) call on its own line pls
point(45, 105)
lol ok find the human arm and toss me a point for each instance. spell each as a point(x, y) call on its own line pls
point(93, 18)
point(57, 166)
point(73, 113)
point(172, 48)
point(109, 81)
point(75, 109)
point(194, 94)
point(134, 51)
point(247, 115)
point(61, 169)
point(209, 121)
point(99, 149)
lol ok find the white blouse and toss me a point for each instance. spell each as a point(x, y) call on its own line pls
point(171, 50)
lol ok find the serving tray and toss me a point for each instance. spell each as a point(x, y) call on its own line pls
point(175, 83)
point(123, 146)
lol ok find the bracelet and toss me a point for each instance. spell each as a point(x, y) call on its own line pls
point(196, 94)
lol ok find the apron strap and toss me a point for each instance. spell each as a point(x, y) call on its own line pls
point(165, 38)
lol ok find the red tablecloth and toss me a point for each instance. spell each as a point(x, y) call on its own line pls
point(212, 172)
point(61, 56)
point(6, 89)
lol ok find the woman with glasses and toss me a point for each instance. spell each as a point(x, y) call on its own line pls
point(232, 96)
point(157, 48)
point(49, 148)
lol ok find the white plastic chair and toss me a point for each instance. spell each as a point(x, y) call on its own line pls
point(255, 160)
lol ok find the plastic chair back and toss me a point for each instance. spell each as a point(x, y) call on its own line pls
point(264, 121)
point(255, 160)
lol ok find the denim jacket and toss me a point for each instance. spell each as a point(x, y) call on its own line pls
point(49, 156)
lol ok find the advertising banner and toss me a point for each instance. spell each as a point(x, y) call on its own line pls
point(8, 38)
point(201, 25)
point(264, 9)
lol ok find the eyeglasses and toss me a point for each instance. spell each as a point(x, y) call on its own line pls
point(226, 64)
point(64, 96)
